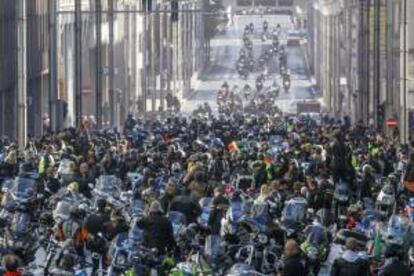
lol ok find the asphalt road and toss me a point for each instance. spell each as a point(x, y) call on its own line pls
point(225, 52)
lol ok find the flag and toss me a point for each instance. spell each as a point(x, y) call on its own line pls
point(232, 147)
point(377, 246)
point(268, 160)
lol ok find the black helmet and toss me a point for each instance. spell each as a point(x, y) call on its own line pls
point(393, 250)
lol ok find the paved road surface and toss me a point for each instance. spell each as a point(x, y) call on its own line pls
point(225, 52)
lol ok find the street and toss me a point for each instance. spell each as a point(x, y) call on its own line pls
point(225, 50)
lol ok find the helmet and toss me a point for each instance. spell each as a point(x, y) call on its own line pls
point(176, 167)
point(367, 169)
point(354, 209)
point(386, 196)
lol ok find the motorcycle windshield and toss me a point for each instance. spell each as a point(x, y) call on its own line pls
point(107, 184)
point(295, 211)
point(7, 184)
point(236, 211)
point(137, 207)
point(388, 190)
point(317, 236)
point(122, 241)
point(136, 233)
point(397, 226)
point(23, 188)
point(212, 246)
point(371, 216)
point(62, 210)
point(176, 218)
point(342, 189)
point(260, 213)
point(205, 202)
point(241, 269)
point(305, 166)
point(20, 224)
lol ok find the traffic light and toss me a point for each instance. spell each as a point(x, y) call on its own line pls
point(174, 10)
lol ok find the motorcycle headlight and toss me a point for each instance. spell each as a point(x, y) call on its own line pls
point(312, 253)
point(387, 200)
point(15, 243)
point(343, 198)
point(121, 260)
point(262, 238)
point(289, 232)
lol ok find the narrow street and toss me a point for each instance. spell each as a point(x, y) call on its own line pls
point(225, 52)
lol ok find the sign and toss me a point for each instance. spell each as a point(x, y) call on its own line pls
point(391, 122)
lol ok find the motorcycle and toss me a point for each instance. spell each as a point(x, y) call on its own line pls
point(316, 247)
point(286, 83)
point(205, 204)
point(234, 215)
point(293, 216)
point(385, 202)
point(21, 195)
point(341, 200)
point(20, 238)
point(178, 221)
point(398, 231)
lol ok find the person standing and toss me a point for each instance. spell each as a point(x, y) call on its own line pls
point(294, 263)
point(394, 264)
point(11, 264)
point(350, 263)
point(158, 230)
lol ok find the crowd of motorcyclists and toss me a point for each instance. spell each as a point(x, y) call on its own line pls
point(260, 97)
point(226, 194)
point(246, 190)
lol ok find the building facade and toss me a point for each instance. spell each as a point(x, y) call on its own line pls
point(131, 55)
point(357, 55)
point(37, 66)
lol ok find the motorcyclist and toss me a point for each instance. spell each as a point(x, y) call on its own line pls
point(64, 266)
point(367, 182)
point(394, 264)
point(251, 27)
point(207, 109)
point(72, 192)
point(170, 193)
point(350, 263)
point(340, 158)
point(129, 124)
point(46, 160)
point(11, 263)
point(84, 178)
point(158, 230)
point(108, 164)
point(265, 26)
point(225, 86)
point(115, 225)
point(72, 230)
point(50, 183)
point(294, 262)
point(218, 206)
point(186, 205)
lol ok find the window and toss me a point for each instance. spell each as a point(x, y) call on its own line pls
point(285, 2)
